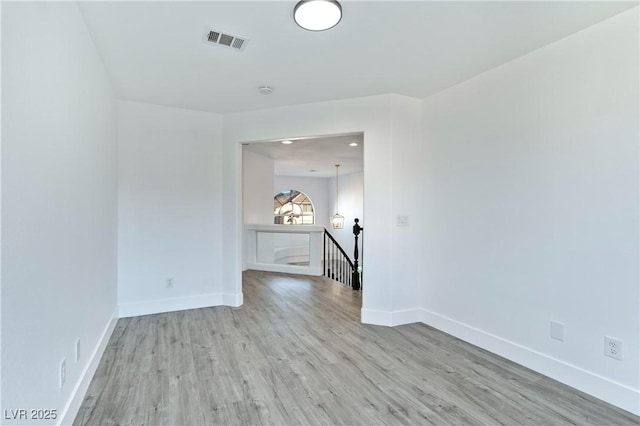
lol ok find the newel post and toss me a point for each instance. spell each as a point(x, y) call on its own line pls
point(356, 275)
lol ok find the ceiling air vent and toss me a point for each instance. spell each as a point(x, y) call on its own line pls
point(228, 40)
point(213, 36)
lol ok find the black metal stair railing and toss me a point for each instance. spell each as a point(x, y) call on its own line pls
point(336, 264)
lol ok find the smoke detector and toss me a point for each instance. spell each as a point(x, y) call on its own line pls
point(226, 40)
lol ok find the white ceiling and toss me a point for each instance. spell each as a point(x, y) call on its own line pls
point(320, 154)
point(155, 53)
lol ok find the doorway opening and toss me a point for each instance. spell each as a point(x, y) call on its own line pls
point(289, 193)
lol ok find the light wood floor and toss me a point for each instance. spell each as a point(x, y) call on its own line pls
point(296, 354)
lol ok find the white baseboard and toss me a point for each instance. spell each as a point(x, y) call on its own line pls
point(234, 300)
point(315, 271)
point(158, 306)
point(374, 317)
point(70, 411)
point(390, 318)
point(617, 394)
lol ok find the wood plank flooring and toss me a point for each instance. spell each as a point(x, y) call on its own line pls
point(296, 354)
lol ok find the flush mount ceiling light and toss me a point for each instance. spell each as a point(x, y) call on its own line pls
point(317, 15)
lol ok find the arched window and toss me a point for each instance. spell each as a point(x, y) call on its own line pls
point(292, 207)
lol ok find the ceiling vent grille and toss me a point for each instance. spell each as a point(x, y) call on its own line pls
point(228, 40)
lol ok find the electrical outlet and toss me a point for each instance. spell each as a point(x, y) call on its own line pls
point(169, 282)
point(612, 347)
point(63, 372)
point(556, 331)
point(77, 350)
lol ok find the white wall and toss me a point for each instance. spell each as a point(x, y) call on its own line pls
point(315, 188)
point(170, 220)
point(375, 116)
point(257, 203)
point(58, 205)
point(1, 386)
point(531, 197)
point(406, 258)
point(257, 184)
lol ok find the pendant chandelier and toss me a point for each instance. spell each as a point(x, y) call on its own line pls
point(337, 220)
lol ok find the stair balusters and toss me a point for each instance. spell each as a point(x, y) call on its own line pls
point(336, 263)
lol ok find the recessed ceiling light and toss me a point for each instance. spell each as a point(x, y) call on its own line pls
point(353, 144)
point(317, 15)
point(287, 142)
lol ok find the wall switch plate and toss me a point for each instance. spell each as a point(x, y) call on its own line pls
point(169, 282)
point(77, 350)
point(613, 347)
point(402, 220)
point(557, 330)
